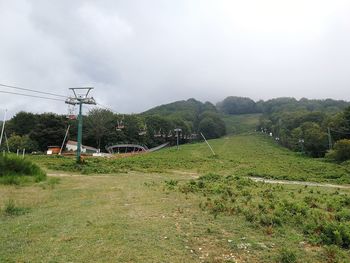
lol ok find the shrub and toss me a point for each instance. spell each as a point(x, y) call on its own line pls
point(341, 151)
point(287, 256)
point(336, 234)
point(13, 170)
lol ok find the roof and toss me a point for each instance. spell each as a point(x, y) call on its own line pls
point(83, 146)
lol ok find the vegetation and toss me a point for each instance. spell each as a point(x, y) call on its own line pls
point(307, 131)
point(181, 205)
point(15, 170)
point(243, 123)
point(341, 151)
point(323, 218)
point(244, 155)
point(237, 105)
point(199, 117)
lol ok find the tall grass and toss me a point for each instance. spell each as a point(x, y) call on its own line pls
point(15, 170)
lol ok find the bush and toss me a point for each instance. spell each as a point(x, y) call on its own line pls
point(13, 170)
point(341, 151)
point(336, 234)
point(287, 256)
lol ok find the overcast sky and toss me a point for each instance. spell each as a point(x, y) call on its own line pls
point(139, 54)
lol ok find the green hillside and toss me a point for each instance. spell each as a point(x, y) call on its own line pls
point(197, 116)
point(255, 154)
point(241, 123)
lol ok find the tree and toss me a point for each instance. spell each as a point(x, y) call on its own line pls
point(341, 151)
point(237, 105)
point(50, 130)
point(315, 139)
point(21, 142)
point(22, 123)
point(98, 125)
point(212, 127)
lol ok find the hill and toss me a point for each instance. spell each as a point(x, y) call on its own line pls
point(198, 116)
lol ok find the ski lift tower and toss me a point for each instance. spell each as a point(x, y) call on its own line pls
point(80, 97)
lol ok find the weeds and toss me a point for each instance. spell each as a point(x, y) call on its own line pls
point(322, 217)
point(11, 209)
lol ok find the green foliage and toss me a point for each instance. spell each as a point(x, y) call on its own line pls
point(237, 105)
point(236, 124)
point(49, 130)
point(14, 170)
point(302, 125)
point(20, 142)
point(322, 217)
point(191, 116)
point(287, 256)
point(252, 155)
point(11, 209)
point(341, 151)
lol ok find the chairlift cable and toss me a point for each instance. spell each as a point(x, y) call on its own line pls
point(28, 95)
point(31, 90)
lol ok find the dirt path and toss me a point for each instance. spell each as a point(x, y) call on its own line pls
point(273, 181)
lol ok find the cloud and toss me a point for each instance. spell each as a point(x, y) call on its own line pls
point(138, 54)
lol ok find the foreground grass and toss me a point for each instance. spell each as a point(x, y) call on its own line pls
point(244, 155)
point(138, 217)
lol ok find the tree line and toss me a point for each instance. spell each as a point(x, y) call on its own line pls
point(102, 127)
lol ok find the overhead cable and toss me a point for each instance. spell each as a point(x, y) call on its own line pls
point(28, 95)
point(31, 90)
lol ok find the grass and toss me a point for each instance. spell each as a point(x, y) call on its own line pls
point(135, 217)
point(236, 124)
point(16, 170)
point(176, 206)
point(245, 155)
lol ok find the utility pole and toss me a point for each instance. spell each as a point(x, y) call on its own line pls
point(80, 98)
point(3, 127)
point(329, 139)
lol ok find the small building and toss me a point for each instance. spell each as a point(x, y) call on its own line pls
point(53, 150)
point(72, 146)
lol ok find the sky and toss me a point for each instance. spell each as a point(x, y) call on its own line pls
point(138, 54)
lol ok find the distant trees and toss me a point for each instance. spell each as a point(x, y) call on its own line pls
point(241, 105)
point(237, 105)
point(98, 124)
point(192, 116)
point(20, 142)
point(305, 128)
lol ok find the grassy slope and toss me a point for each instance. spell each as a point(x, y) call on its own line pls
point(241, 123)
point(236, 155)
point(133, 217)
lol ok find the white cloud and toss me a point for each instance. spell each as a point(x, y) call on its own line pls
point(139, 54)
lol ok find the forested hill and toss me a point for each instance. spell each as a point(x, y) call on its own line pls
point(198, 116)
point(186, 109)
point(240, 105)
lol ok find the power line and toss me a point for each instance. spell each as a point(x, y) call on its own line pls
point(31, 90)
point(28, 95)
point(341, 132)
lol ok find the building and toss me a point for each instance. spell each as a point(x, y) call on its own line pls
point(71, 146)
